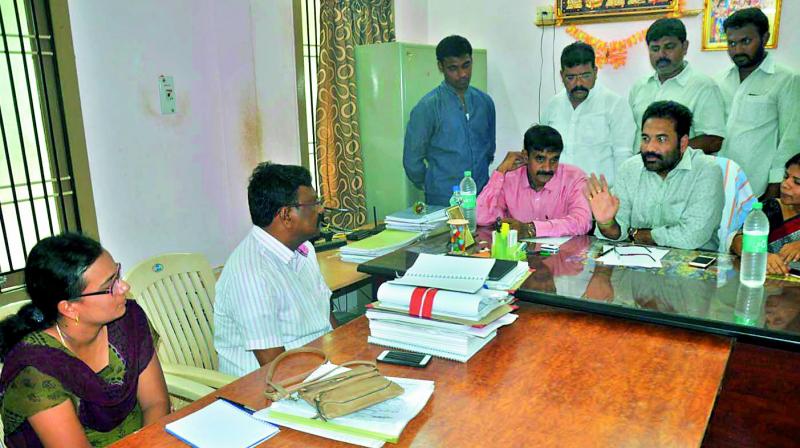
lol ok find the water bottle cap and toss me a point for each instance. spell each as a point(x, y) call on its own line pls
point(456, 189)
point(758, 206)
point(467, 173)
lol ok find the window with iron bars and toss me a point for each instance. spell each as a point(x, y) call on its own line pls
point(306, 23)
point(37, 186)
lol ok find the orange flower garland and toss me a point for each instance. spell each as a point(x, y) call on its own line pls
point(614, 52)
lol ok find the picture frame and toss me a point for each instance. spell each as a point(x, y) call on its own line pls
point(716, 11)
point(590, 11)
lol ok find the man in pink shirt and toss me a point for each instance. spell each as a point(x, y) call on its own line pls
point(535, 194)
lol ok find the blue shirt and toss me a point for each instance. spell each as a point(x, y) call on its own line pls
point(451, 141)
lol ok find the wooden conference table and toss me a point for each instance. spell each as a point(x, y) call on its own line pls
point(580, 377)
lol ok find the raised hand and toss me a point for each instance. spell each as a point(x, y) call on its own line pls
point(604, 205)
point(513, 160)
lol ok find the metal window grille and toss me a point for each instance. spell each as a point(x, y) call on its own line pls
point(37, 191)
point(310, 25)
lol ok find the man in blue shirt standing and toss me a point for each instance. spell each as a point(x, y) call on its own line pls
point(451, 129)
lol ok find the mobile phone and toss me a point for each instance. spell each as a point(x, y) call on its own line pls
point(404, 358)
point(702, 261)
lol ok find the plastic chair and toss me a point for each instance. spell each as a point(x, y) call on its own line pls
point(176, 292)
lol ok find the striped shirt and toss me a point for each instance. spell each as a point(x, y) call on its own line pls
point(267, 296)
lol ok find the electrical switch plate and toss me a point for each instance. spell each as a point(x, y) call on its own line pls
point(545, 16)
point(166, 90)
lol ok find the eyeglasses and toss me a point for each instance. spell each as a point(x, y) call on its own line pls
point(114, 288)
point(584, 76)
point(316, 203)
point(635, 255)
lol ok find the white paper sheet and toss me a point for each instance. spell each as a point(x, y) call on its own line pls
point(633, 256)
point(554, 240)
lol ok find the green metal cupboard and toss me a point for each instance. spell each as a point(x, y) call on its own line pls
point(390, 79)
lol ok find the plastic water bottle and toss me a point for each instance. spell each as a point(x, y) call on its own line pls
point(753, 269)
point(469, 196)
point(456, 198)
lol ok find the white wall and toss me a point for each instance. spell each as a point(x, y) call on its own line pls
point(178, 182)
point(505, 28)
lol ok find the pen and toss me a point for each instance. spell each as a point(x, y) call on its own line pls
point(606, 252)
point(241, 406)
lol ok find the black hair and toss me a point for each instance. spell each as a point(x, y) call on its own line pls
point(795, 160)
point(748, 16)
point(452, 46)
point(577, 53)
point(666, 27)
point(542, 138)
point(53, 272)
point(678, 113)
point(271, 187)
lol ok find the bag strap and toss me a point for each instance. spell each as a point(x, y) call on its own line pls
point(279, 389)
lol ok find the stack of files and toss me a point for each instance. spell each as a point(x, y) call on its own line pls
point(377, 245)
point(222, 423)
point(433, 221)
point(512, 279)
point(447, 340)
point(370, 427)
point(425, 302)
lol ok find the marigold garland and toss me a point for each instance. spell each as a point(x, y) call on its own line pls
point(614, 52)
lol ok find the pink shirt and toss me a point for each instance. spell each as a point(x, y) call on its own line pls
point(559, 209)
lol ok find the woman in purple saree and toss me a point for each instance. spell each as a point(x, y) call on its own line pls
point(79, 364)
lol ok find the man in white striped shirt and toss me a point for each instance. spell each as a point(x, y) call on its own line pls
point(271, 295)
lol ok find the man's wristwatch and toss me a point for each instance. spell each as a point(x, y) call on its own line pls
point(632, 234)
point(531, 230)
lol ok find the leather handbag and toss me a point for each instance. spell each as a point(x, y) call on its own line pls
point(334, 395)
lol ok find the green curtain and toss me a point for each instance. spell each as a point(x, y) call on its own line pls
point(343, 25)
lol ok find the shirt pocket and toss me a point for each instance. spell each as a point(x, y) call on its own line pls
point(593, 130)
point(756, 111)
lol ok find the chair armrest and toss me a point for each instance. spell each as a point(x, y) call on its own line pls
point(208, 377)
point(185, 388)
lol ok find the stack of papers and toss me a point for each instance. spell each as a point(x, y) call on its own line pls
point(512, 280)
point(442, 339)
point(465, 274)
point(221, 424)
point(433, 221)
point(371, 427)
point(377, 245)
point(632, 256)
point(460, 305)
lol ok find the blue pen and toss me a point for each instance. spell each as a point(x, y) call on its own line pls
point(241, 406)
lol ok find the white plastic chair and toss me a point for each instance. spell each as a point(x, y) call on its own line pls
point(176, 292)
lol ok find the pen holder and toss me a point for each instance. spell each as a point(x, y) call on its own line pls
point(458, 228)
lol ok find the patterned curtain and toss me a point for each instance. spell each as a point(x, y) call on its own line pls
point(343, 25)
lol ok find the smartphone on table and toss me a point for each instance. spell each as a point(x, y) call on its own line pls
point(702, 261)
point(404, 358)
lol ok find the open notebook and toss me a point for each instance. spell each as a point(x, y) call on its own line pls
point(221, 424)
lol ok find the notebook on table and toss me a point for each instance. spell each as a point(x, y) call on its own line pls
point(221, 423)
point(464, 274)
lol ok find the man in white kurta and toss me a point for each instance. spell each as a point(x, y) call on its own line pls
point(762, 101)
point(271, 295)
point(595, 123)
point(676, 80)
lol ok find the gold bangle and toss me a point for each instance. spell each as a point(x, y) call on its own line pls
point(605, 225)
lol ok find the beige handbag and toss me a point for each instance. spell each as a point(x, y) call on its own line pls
point(334, 396)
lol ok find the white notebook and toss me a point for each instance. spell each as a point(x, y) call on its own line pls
point(221, 424)
point(465, 274)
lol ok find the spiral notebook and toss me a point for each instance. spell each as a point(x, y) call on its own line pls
point(452, 273)
point(221, 423)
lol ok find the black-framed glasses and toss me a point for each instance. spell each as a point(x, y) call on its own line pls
point(114, 288)
point(635, 255)
point(316, 203)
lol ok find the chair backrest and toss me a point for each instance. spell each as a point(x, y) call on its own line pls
point(176, 292)
point(12, 308)
point(739, 200)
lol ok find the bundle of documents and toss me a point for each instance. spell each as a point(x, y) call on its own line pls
point(433, 220)
point(377, 245)
point(371, 427)
point(447, 340)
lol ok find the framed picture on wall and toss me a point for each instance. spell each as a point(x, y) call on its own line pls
point(716, 11)
point(587, 11)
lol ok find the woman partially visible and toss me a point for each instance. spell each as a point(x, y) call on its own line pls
point(79, 364)
point(784, 222)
